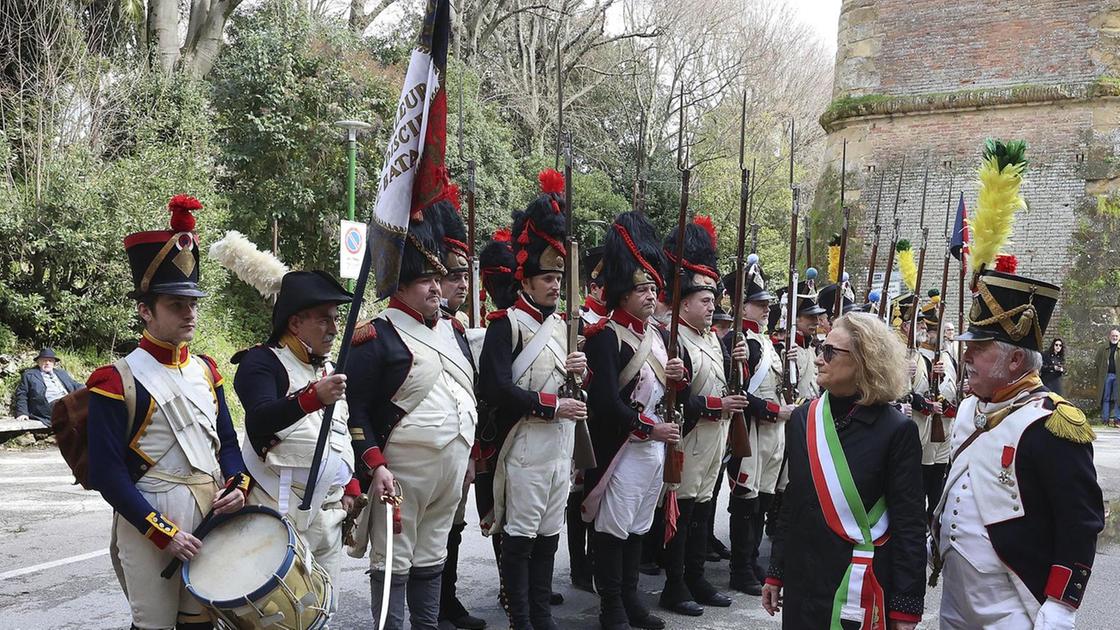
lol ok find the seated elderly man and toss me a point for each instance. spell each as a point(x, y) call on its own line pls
point(41, 386)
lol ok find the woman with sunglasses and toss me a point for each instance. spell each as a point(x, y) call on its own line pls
point(849, 549)
point(1054, 366)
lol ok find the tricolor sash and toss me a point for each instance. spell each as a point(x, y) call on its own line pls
point(859, 596)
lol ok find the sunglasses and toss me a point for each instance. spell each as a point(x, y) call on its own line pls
point(828, 352)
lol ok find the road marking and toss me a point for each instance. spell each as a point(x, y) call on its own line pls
point(7, 575)
point(67, 480)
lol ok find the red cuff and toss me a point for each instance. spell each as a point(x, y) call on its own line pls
point(373, 458)
point(353, 488)
point(644, 426)
point(1067, 585)
point(476, 450)
point(772, 581)
point(713, 406)
point(308, 400)
point(901, 616)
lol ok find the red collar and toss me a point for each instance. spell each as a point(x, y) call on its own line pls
point(167, 354)
point(751, 326)
point(595, 306)
point(396, 303)
point(626, 319)
point(802, 340)
point(524, 305)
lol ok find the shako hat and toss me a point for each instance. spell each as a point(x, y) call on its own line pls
point(929, 311)
point(807, 297)
point(632, 256)
point(826, 298)
point(166, 261)
point(497, 265)
point(539, 231)
point(698, 269)
point(755, 290)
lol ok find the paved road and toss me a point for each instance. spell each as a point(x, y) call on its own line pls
point(55, 572)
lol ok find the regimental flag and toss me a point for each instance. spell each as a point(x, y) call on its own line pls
point(958, 245)
point(414, 175)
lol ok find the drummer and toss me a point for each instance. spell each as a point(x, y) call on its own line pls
point(161, 469)
point(284, 385)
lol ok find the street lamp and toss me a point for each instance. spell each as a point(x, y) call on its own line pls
point(352, 128)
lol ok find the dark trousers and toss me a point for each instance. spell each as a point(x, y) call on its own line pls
point(933, 480)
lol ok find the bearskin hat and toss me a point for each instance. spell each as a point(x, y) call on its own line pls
point(456, 251)
point(540, 230)
point(497, 266)
point(699, 268)
point(423, 245)
point(592, 265)
point(632, 256)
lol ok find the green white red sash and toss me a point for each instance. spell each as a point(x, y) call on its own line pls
point(859, 596)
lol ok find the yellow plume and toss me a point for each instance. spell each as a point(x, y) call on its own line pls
point(834, 263)
point(908, 268)
point(997, 203)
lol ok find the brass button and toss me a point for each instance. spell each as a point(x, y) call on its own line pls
point(953, 538)
point(1077, 585)
point(1015, 508)
point(1014, 495)
point(954, 512)
point(953, 526)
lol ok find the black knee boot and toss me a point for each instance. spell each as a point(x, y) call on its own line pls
point(636, 611)
point(675, 597)
point(762, 521)
point(609, 552)
point(450, 608)
point(503, 597)
point(516, 551)
point(577, 544)
point(540, 582)
point(652, 544)
point(743, 578)
point(423, 597)
point(696, 547)
point(716, 549)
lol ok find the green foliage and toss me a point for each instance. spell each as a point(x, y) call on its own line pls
point(285, 79)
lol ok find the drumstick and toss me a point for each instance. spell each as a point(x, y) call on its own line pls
point(173, 566)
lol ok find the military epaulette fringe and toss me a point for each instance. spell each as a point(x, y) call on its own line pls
point(596, 328)
point(363, 332)
point(1068, 422)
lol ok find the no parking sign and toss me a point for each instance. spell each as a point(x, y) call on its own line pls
point(351, 248)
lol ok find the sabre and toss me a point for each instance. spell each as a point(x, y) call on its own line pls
point(392, 503)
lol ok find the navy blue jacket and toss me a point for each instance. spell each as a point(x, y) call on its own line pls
point(31, 394)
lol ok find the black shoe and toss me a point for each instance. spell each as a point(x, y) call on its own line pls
point(687, 608)
point(760, 573)
point(648, 622)
point(715, 599)
point(467, 622)
point(712, 556)
point(716, 547)
point(746, 585)
point(649, 568)
point(555, 599)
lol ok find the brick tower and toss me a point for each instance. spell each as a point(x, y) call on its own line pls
point(932, 79)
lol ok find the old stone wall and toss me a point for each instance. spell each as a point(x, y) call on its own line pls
point(931, 80)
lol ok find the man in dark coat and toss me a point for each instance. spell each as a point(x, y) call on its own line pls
point(41, 386)
point(1106, 378)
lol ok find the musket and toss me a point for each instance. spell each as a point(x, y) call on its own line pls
point(875, 243)
point(560, 103)
point(674, 461)
point(937, 430)
point(750, 211)
point(789, 366)
point(583, 453)
point(884, 296)
point(474, 315)
point(844, 211)
point(637, 203)
point(740, 437)
point(921, 263)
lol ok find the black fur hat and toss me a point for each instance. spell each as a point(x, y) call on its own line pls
point(699, 269)
point(456, 255)
point(423, 245)
point(632, 256)
point(592, 265)
point(539, 232)
point(497, 265)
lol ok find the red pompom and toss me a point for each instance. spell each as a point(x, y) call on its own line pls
point(1006, 263)
point(503, 235)
point(551, 180)
point(181, 207)
point(453, 195)
point(705, 222)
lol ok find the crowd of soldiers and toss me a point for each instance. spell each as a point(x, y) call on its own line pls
point(429, 406)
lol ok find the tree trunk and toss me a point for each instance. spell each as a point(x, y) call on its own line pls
point(163, 20)
point(200, 58)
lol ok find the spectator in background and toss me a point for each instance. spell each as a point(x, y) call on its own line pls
point(1054, 366)
point(1106, 378)
point(41, 386)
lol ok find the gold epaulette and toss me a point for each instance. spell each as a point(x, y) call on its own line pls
point(363, 332)
point(1068, 422)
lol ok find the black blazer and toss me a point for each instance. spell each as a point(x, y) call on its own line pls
point(31, 395)
point(885, 458)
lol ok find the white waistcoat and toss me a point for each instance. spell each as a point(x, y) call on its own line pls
point(546, 372)
point(768, 388)
point(706, 355)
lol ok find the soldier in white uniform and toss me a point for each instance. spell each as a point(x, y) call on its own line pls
point(940, 366)
point(629, 371)
point(707, 416)
point(161, 469)
point(754, 479)
point(1016, 529)
point(284, 385)
point(412, 421)
point(525, 362)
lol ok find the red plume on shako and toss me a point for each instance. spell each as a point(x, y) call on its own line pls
point(182, 207)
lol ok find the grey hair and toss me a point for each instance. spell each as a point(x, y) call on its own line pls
point(1032, 359)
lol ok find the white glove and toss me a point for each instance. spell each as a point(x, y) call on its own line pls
point(1054, 615)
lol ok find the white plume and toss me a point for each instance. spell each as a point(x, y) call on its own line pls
point(260, 270)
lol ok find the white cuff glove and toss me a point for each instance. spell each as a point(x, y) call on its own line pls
point(1054, 615)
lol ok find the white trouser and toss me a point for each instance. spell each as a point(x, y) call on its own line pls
point(632, 491)
point(771, 452)
point(531, 482)
point(703, 450)
point(972, 600)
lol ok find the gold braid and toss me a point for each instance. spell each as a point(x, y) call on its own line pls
point(1027, 323)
